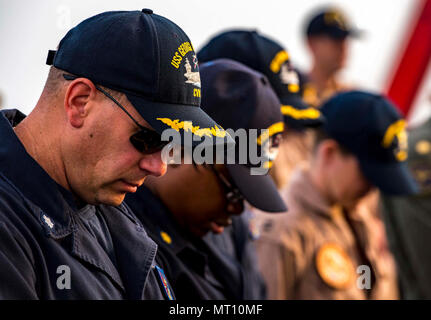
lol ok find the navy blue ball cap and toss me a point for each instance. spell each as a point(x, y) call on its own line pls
point(331, 22)
point(268, 57)
point(145, 56)
point(260, 191)
point(369, 126)
point(238, 97)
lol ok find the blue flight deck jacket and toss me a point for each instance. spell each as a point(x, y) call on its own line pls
point(46, 254)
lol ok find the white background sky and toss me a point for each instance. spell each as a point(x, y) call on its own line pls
point(29, 28)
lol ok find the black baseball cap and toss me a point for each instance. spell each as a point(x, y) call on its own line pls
point(270, 58)
point(330, 22)
point(149, 59)
point(369, 126)
point(238, 97)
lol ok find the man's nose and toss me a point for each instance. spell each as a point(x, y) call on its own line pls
point(153, 164)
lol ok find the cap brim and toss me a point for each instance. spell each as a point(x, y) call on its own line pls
point(259, 190)
point(300, 120)
point(355, 33)
point(162, 116)
point(343, 34)
point(392, 179)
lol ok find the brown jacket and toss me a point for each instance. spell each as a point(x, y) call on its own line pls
point(314, 250)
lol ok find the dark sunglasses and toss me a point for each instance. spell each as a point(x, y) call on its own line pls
point(145, 140)
point(232, 193)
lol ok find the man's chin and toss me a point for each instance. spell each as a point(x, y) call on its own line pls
point(112, 200)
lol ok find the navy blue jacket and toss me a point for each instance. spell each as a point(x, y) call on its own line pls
point(216, 267)
point(235, 251)
point(41, 243)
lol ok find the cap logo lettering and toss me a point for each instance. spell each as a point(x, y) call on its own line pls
point(397, 130)
point(182, 50)
point(192, 77)
point(188, 126)
point(278, 61)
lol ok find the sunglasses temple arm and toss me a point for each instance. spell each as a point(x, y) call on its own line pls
point(70, 77)
point(118, 104)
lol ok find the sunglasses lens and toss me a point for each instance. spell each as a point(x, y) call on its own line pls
point(147, 141)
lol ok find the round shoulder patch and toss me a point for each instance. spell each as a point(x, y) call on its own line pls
point(334, 266)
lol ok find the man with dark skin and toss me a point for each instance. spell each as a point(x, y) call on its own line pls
point(185, 207)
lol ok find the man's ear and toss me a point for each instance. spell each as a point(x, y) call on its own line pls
point(310, 42)
point(327, 149)
point(77, 100)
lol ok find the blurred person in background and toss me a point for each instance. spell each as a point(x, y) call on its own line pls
point(408, 220)
point(327, 35)
point(325, 247)
point(184, 208)
point(267, 56)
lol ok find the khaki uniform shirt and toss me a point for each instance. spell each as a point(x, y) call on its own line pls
point(314, 250)
point(315, 98)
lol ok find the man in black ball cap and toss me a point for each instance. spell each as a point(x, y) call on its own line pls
point(94, 135)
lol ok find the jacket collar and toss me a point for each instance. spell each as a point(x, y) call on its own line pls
point(56, 203)
point(58, 212)
point(134, 249)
